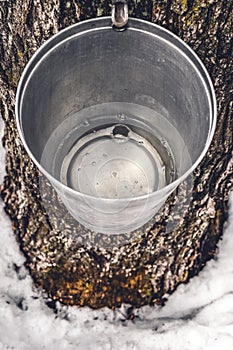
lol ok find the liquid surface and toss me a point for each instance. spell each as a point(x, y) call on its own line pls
point(115, 150)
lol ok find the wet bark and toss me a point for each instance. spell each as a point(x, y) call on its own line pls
point(70, 263)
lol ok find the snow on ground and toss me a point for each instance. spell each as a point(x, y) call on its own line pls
point(198, 315)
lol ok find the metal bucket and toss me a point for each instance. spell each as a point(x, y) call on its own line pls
point(116, 120)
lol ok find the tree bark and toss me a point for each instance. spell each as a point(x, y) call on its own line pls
point(143, 267)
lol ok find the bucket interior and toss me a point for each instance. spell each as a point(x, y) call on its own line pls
point(95, 80)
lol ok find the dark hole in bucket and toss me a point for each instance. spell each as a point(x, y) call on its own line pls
point(120, 130)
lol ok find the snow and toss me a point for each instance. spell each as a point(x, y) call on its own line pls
point(199, 315)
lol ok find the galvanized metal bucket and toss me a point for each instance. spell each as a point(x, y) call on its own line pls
point(116, 113)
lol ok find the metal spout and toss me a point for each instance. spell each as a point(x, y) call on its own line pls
point(120, 15)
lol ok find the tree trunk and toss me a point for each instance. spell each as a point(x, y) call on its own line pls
point(76, 266)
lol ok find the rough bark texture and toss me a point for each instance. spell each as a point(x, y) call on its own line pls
point(176, 244)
